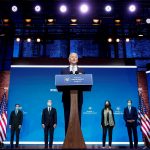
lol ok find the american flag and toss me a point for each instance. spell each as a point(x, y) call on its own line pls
point(143, 119)
point(3, 118)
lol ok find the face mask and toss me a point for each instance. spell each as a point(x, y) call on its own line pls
point(49, 104)
point(129, 104)
point(17, 108)
point(107, 105)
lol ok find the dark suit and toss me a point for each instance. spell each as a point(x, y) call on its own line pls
point(66, 98)
point(131, 127)
point(49, 119)
point(15, 120)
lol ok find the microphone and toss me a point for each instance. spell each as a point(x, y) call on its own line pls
point(76, 72)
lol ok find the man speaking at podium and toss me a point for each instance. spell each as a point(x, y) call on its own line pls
point(71, 69)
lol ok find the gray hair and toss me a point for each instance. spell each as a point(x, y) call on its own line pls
point(72, 54)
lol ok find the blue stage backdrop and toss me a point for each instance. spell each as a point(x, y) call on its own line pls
point(148, 80)
point(32, 86)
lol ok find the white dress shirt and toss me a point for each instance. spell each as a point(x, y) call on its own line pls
point(73, 68)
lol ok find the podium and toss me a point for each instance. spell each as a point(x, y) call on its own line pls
point(73, 83)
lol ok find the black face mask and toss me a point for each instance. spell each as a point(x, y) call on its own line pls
point(107, 105)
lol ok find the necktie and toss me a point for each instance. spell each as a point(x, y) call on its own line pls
point(16, 112)
point(49, 109)
point(129, 109)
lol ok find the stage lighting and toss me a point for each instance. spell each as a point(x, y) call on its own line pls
point(117, 21)
point(6, 20)
point(38, 40)
point(127, 39)
point(14, 8)
point(28, 39)
point(18, 39)
point(63, 8)
point(117, 40)
point(28, 20)
point(73, 20)
point(138, 21)
point(148, 20)
point(84, 8)
point(96, 20)
point(109, 40)
point(108, 8)
point(132, 8)
point(37, 8)
point(140, 35)
point(50, 20)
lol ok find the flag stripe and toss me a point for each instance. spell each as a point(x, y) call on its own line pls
point(143, 119)
point(3, 118)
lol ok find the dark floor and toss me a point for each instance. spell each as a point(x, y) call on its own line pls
point(41, 147)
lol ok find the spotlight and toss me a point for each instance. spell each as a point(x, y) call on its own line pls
point(6, 20)
point(108, 8)
point(38, 40)
point(73, 20)
point(84, 8)
point(132, 8)
point(148, 20)
point(117, 21)
point(50, 20)
point(140, 35)
point(37, 8)
point(127, 39)
point(63, 8)
point(18, 39)
point(138, 21)
point(14, 8)
point(28, 20)
point(109, 40)
point(96, 20)
point(117, 40)
point(28, 39)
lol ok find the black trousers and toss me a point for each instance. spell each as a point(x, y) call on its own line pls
point(13, 131)
point(48, 130)
point(132, 129)
point(110, 129)
point(67, 113)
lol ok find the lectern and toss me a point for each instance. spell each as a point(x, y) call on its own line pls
point(73, 83)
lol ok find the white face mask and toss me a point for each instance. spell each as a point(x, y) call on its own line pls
point(17, 108)
point(129, 104)
point(49, 104)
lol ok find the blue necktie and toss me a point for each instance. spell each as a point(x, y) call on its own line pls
point(129, 109)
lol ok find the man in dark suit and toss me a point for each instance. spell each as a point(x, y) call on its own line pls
point(71, 69)
point(49, 122)
point(130, 117)
point(15, 123)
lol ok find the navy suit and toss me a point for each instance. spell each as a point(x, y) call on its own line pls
point(131, 127)
point(15, 120)
point(66, 98)
point(49, 119)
